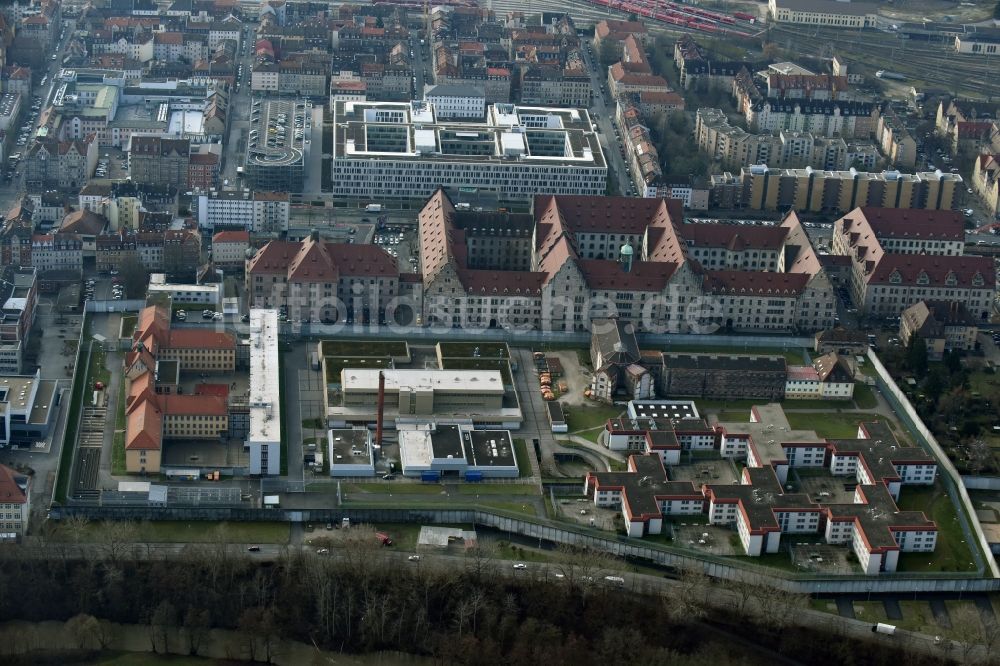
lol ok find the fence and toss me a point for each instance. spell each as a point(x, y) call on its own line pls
point(549, 531)
point(949, 476)
point(105, 307)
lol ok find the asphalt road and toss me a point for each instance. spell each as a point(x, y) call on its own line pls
point(604, 107)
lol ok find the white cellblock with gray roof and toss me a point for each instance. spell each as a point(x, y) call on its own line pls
point(264, 440)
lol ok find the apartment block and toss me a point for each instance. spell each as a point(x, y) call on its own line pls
point(258, 212)
point(814, 190)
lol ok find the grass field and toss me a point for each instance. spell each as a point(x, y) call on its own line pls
point(146, 659)
point(864, 397)
point(393, 488)
point(118, 441)
point(589, 416)
point(515, 507)
point(498, 489)
point(521, 455)
point(178, 531)
point(734, 415)
point(96, 373)
point(793, 356)
point(833, 425)
point(128, 325)
point(334, 364)
point(466, 349)
point(72, 421)
point(348, 348)
point(952, 552)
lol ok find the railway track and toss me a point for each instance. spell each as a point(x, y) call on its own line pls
point(929, 63)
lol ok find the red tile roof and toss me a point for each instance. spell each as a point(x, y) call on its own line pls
point(312, 261)
point(221, 390)
point(937, 269)
point(755, 282)
point(910, 223)
point(10, 492)
point(733, 236)
point(610, 275)
point(507, 283)
point(231, 237)
point(192, 338)
point(193, 405)
point(144, 424)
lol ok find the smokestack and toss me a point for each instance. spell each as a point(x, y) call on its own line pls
point(381, 409)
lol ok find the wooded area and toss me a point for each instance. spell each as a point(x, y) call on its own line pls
point(362, 600)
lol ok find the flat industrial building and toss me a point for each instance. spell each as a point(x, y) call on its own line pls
point(469, 397)
point(351, 452)
point(404, 150)
point(431, 451)
point(27, 403)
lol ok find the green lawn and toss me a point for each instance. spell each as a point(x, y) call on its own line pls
point(521, 455)
point(178, 531)
point(871, 611)
point(515, 507)
point(466, 349)
point(96, 373)
point(589, 416)
point(952, 553)
point(734, 416)
point(498, 489)
point(128, 325)
point(793, 356)
point(832, 425)
point(72, 421)
point(283, 416)
point(348, 348)
point(146, 659)
point(394, 488)
point(864, 397)
point(334, 364)
point(118, 442)
point(592, 435)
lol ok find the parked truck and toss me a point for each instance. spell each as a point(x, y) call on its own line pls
point(894, 76)
point(373, 208)
point(383, 538)
point(883, 628)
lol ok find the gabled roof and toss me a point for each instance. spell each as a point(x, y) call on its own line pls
point(231, 237)
point(733, 236)
point(13, 486)
point(832, 368)
point(755, 282)
point(934, 271)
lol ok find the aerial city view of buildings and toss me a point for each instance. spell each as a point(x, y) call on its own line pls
point(702, 289)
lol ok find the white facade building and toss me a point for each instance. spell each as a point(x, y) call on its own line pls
point(457, 102)
point(257, 212)
point(209, 295)
point(264, 438)
point(403, 150)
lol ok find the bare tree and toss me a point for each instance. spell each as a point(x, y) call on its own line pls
point(105, 633)
point(481, 559)
point(196, 627)
point(689, 600)
point(581, 564)
point(84, 629)
point(162, 622)
point(980, 455)
point(117, 538)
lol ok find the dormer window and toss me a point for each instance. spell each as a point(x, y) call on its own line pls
point(895, 278)
point(923, 278)
point(977, 280)
point(951, 280)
